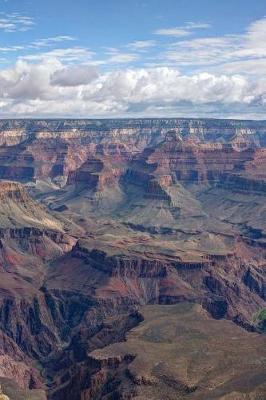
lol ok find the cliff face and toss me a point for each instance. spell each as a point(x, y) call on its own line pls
point(39, 149)
point(29, 238)
point(157, 359)
point(11, 391)
point(100, 218)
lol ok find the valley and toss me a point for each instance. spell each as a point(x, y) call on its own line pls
point(132, 259)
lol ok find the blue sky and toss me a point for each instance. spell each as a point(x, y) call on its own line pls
point(114, 58)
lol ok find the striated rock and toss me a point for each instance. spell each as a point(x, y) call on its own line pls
point(39, 149)
point(95, 175)
point(10, 391)
point(172, 351)
point(120, 215)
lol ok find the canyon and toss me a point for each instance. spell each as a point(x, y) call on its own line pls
point(132, 259)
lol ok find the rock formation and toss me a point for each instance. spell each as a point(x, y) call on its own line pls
point(102, 221)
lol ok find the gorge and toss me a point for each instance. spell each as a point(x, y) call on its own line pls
point(132, 259)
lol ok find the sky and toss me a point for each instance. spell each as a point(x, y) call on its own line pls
point(133, 58)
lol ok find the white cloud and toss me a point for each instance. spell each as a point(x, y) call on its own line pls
point(28, 81)
point(198, 25)
point(242, 54)
point(74, 75)
point(202, 51)
point(256, 34)
point(48, 88)
point(11, 48)
point(118, 57)
point(166, 85)
point(46, 42)
point(142, 44)
point(180, 31)
point(15, 22)
point(71, 54)
point(206, 76)
point(38, 44)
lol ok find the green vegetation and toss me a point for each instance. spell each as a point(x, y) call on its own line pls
point(262, 315)
point(260, 320)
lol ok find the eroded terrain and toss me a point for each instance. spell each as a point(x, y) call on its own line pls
point(121, 235)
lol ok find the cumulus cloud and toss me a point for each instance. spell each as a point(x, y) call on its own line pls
point(206, 76)
point(49, 88)
point(166, 85)
point(27, 81)
point(74, 75)
point(256, 34)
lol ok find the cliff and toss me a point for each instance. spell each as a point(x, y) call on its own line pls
point(104, 223)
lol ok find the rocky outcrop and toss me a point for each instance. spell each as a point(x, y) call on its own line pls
point(243, 183)
point(29, 238)
point(95, 175)
point(121, 266)
point(145, 212)
point(191, 162)
point(136, 368)
point(40, 149)
point(9, 390)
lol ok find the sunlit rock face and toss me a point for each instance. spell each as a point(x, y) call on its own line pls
point(40, 149)
point(100, 220)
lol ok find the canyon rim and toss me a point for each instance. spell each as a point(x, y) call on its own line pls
point(132, 200)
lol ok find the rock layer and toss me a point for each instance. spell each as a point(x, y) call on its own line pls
point(101, 218)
